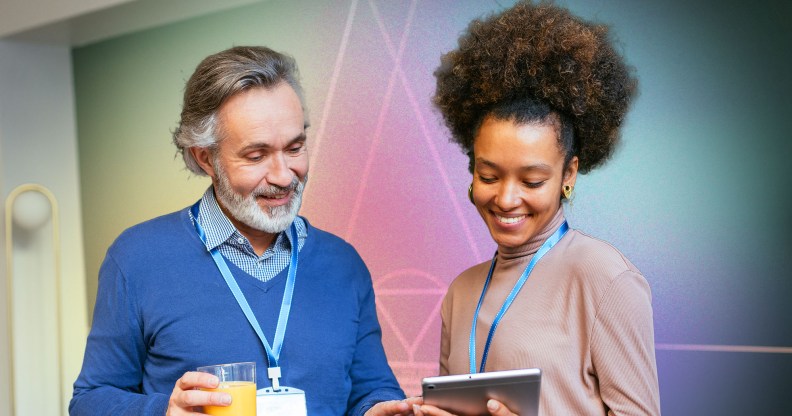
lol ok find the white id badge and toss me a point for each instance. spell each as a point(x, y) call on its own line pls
point(288, 401)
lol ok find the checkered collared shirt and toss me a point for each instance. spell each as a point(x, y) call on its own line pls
point(236, 248)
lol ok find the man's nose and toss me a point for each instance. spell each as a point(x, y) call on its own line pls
point(279, 173)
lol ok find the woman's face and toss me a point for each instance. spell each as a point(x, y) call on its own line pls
point(517, 178)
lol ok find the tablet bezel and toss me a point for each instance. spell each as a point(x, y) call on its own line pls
point(467, 394)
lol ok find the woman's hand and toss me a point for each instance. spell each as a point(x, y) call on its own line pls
point(186, 397)
point(495, 408)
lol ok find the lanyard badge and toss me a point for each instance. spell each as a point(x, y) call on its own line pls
point(548, 244)
point(286, 401)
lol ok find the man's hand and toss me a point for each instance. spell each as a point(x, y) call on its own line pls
point(495, 408)
point(185, 397)
point(395, 407)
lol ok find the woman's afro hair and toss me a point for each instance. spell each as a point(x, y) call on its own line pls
point(543, 53)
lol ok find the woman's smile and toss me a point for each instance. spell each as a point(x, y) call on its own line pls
point(510, 220)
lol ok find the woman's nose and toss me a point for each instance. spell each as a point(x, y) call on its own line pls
point(509, 196)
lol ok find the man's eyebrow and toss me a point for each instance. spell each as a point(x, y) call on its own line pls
point(266, 146)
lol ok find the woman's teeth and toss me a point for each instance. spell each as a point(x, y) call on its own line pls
point(510, 220)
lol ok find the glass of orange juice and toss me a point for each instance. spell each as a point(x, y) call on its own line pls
point(238, 380)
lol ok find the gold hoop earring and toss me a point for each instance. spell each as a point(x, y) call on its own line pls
point(470, 194)
point(567, 189)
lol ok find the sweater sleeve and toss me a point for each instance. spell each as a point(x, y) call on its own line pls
point(622, 348)
point(371, 376)
point(110, 382)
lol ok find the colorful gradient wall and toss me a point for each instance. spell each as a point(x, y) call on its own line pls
point(697, 196)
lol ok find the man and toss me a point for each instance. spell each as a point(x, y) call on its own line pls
point(212, 283)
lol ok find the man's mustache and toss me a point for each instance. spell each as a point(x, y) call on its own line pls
point(271, 190)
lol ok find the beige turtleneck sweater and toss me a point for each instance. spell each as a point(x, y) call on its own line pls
point(584, 317)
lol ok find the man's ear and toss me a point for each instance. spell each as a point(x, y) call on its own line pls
point(203, 156)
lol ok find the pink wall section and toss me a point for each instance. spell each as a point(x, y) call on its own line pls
point(385, 178)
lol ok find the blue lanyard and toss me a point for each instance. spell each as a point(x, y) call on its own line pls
point(273, 353)
point(548, 244)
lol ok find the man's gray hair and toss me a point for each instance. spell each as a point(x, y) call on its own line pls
point(217, 78)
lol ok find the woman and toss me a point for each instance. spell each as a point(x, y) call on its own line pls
point(535, 95)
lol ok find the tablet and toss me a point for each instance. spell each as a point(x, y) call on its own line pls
point(467, 394)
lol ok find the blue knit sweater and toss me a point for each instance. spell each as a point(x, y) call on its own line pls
point(163, 308)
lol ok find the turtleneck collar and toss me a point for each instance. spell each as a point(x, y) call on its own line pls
point(533, 244)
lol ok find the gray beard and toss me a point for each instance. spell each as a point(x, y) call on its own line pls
point(246, 210)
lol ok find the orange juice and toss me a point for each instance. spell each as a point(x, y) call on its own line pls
point(243, 399)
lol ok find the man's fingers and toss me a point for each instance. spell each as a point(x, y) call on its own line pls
point(186, 394)
point(390, 408)
point(219, 399)
point(427, 410)
point(395, 407)
point(193, 379)
point(415, 400)
point(192, 398)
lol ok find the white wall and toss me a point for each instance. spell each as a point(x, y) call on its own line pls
point(19, 15)
point(39, 145)
point(80, 22)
